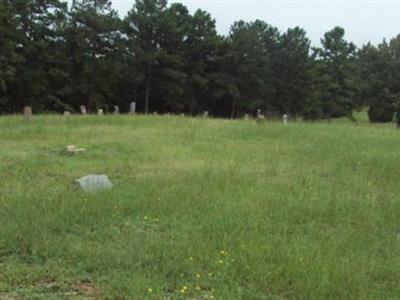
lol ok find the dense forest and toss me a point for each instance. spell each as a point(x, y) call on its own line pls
point(56, 57)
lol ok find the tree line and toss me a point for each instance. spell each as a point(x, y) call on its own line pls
point(56, 57)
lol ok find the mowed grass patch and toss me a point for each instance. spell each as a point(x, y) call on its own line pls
point(200, 209)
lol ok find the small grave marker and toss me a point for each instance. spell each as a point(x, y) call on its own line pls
point(100, 112)
point(83, 110)
point(116, 110)
point(285, 119)
point(27, 112)
point(133, 108)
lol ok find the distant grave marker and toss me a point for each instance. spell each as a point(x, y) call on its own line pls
point(83, 110)
point(116, 110)
point(133, 108)
point(100, 112)
point(205, 114)
point(27, 110)
point(67, 113)
point(259, 114)
point(285, 119)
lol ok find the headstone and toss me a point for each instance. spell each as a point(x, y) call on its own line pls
point(133, 108)
point(94, 183)
point(27, 112)
point(67, 113)
point(116, 110)
point(285, 119)
point(258, 113)
point(100, 112)
point(205, 114)
point(246, 117)
point(83, 110)
point(182, 114)
point(155, 113)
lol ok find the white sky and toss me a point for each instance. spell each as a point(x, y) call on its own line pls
point(363, 20)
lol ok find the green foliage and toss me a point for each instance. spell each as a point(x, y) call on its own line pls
point(167, 59)
point(380, 73)
point(334, 77)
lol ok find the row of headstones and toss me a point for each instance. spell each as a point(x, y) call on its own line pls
point(28, 112)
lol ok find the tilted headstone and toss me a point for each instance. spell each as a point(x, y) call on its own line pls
point(116, 110)
point(133, 108)
point(83, 110)
point(27, 112)
point(94, 183)
point(100, 111)
point(285, 119)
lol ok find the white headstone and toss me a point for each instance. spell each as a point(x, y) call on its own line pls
point(83, 110)
point(285, 119)
point(246, 117)
point(133, 108)
point(205, 114)
point(100, 111)
point(116, 110)
point(258, 113)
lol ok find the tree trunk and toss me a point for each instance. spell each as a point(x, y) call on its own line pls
point(147, 96)
point(94, 68)
point(233, 109)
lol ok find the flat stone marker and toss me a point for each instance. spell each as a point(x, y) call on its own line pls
point(132, 109)
point(72, 150)
point(83, 110)
point(116, 110)
point(94, 183)
point(100, 112)
point(27, 110)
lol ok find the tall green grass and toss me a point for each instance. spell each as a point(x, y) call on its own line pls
point(200, 209)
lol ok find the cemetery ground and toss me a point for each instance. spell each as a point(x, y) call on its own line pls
point(200, 209)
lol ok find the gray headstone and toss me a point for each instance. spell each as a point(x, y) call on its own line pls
point(67, 113)
point(94, 183)
point(246, 117)
point(27, 112)
point(100, 112)
point(116, 110)
point(133, 108)
point(83, 110)
point(205, 114)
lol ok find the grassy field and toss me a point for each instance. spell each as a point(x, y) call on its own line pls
point(200, 209)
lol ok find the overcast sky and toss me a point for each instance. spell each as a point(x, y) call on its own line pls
point(364, 20)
